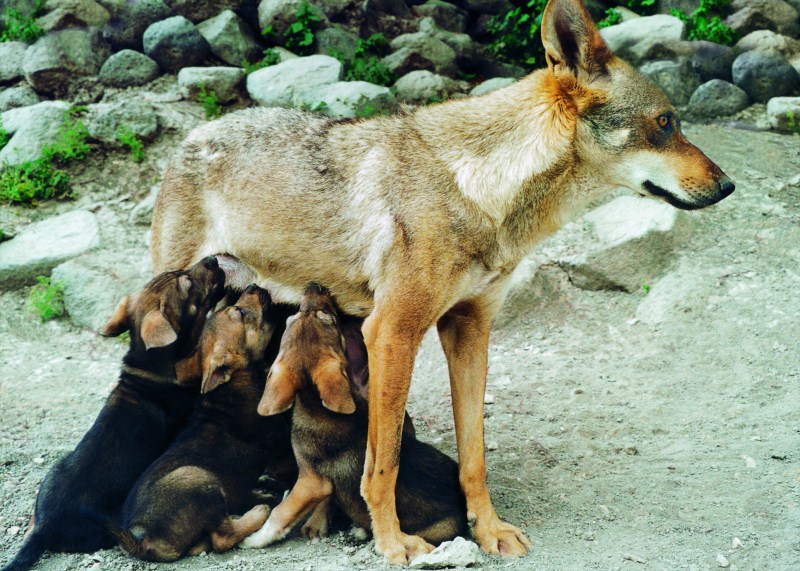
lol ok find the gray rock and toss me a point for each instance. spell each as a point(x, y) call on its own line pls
point(19, 96)
point(712, 61)
point(685, 290)
point(142, 213)
point(391, 7)
point(492, 85)
point(337, 40)
point(467, 50)
point(338, 8)
point(423, 85)
point(279, 15)
point(61, 14)
point(769, 41)
point(231, 39)
point(40, 247)
point(281, 84)
point(199, 10)
point(128, 68)
point(126, 27)
point(626, 242)
point(12, 54)
point(348, 99)
point(447, 16)
point(784, 114)
point(32, 128)
point(457, 553)
point(223, 81)
point(676, 78)
point(420, 51)
point(105, 121)
point(94, 283)
point(717, 97)
point(175, 43)
point(60, 56)
point(634, 39)
point(764, 75)
point(752, 15)
point(488, 6)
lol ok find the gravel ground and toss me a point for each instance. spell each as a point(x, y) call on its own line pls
point(614, 443)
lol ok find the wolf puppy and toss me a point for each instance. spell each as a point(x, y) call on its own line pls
point(329, 437)
point(419, 219)
point(141, 416)
point(181, 504)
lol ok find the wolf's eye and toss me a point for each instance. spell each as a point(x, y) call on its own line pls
point(663, 121)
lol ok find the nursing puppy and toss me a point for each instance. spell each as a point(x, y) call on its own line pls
point(140, 418)
point(181, 505)
point(329, 436)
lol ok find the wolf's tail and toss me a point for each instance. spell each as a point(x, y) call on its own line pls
point(30, 552)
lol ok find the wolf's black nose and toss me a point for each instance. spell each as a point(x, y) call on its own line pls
point(726, 186)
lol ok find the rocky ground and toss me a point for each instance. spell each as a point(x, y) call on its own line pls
point(652, 425)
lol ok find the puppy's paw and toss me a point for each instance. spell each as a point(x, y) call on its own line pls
point(500, 538)
point(403, 548)
point(316, 527)
point(269, 533)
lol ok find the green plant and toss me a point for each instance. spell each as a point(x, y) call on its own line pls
point(271, 57)
point(210, 102)
point(792, 123)
point(365, 65)
point(44, 178)
point(4, 136)
point(299, 37)
point(702, 25)
point(20, 27)
point(641, 7)
point(46, 299)
point(612, 17)
point(129, 139)
point(646, 287)
point(516, 34)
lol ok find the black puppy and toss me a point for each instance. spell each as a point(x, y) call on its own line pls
point(140, 418)
point(182, 503)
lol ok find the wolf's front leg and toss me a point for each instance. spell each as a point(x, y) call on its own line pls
point(392, 344)
point(464, 334)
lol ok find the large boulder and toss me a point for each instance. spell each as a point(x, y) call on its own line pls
point(784, 114)
point(12, 55)
point(61, 14)
point(635, 40)
point(348, 99)
point(106, 121)
point(175, 43)
point(764, 75)
point(447, 16)
point(769, 41)
point(336, 39)
point(128, 68)
point(282, 84)
point(32, 128)
point(752, 15)
point(199, 10)
point(712, 61)
point(278, 15)
point(622, 244)
point(127, 25)
point(19, 96)
point(40, 247)
point(57, 58)
point(420, 51)
point(423, 85)
point(224, 82)
point(231, 39)
point(492, 85)
point(717, 97)
point(676, 78)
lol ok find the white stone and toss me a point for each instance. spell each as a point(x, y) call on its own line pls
point(33, 127)
point(348, 99)
point(492, 85)
point(457, 553)
point(280, 84)
point(632, 40)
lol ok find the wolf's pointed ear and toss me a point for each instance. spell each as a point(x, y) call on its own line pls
point(282, 386)
point(189, 370)
point(331, 381)
point(118, 323)
point(572, 42)
point(156, 330)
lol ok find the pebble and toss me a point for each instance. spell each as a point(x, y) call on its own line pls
point(737, 543)
point(634, 558)
point(360, 533)
point(749, 462)
point(722, 560)
point(492, 446)
point(13, 530)
point(488, 399)
point(38, 460)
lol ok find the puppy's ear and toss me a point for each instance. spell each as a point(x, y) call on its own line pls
point(118, 323)
point(156, 330)
point(572, 42)
point(282, 385)
point(218, 373)
point(331, 381)
point(189, 370)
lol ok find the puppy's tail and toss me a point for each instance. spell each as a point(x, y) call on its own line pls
point(30, 552)
point(127, 540)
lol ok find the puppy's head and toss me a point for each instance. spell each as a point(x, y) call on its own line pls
point(171, 309)
point(234, 338)
point(312, 350)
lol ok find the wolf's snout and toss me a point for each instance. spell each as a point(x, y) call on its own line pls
point(726, 187)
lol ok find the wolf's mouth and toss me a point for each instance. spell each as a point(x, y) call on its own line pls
point(654, 190)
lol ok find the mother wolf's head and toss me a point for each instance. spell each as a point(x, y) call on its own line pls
point(627, 126)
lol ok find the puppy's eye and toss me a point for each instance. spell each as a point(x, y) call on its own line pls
point(663, 121)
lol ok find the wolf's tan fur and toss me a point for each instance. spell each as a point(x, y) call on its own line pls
point(419, 219)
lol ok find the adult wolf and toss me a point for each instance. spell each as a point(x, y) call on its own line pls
point(419, 219)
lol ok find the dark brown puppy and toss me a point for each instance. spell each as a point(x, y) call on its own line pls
point(140, 418)
point(181, 504)
point(329, 437)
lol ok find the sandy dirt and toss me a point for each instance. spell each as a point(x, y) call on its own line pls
point(613, 443)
